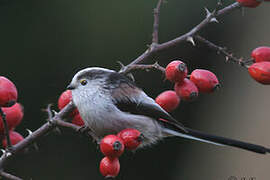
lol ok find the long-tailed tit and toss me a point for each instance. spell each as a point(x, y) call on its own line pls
point(109, 102)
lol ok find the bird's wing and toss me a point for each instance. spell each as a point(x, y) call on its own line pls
point(129, 98)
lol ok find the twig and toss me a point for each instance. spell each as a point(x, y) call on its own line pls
point(6, 128)
point(62, 123)
point(222, 50)
point(9, 176)
point(186, 37)
point(145, 67)
point(156, 23)
point(31, 138)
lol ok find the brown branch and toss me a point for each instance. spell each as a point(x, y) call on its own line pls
point(144, 67)
point(31, 138)
point(6, 133)
point(185, 37)
point(222, 50)
point(9, 176)
point(156, 23)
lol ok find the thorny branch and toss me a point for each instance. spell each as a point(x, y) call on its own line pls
point(59, 119)
point(9, 176)
point(156, 48)
point(145, 67)
point(156, 22)
point(222, 50)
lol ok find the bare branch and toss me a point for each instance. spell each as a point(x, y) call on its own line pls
point(31, 138)
point(9, 176)
point(222, 50)
point(3, 115)
point(144, 67)
point(156, 22)
point(62, 123)
point(169, 44)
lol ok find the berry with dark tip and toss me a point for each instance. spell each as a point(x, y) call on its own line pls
point(205, 80)
point(176, 71)
point(109, 167)
point(132, 138)
point(186, 90)
point(112, 146)
point(260, 72)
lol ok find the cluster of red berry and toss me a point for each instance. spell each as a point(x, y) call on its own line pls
point(260, 70)
point(251, 3)
point(112, 146)
point(12, 111)
point(63, 100)
point(187, 87)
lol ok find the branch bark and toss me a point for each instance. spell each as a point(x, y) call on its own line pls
point(156, 22)
point(156, 48)
point(31, 138)
point(9, 176)
point(222, 50)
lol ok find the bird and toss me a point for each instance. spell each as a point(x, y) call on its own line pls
point(109, 101)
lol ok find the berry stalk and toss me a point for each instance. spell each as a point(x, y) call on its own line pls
point(6, 132)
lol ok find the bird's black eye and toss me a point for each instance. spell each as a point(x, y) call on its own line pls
point(83, 82)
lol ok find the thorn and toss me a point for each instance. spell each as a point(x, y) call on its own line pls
point(29, 131)
point(3, 151)
point(36, 146)
point(208, 13)
point(191, 40)
point(54, 112)
point(121, 64)
point(6, 153)
point(220, 3)
point(57, 130)
point(214, 20)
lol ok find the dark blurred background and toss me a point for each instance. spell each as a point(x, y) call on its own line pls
point(44, 43)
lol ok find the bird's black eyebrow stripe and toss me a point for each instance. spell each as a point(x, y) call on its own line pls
point(93, 74)
point(117, 78)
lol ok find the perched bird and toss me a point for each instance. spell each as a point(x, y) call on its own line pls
point(109, 102)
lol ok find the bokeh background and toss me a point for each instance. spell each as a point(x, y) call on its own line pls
point(44, 43)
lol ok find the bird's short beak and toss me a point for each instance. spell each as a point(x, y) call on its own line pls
point(70, 87)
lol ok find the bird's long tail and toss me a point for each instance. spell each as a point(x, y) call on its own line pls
point(217, 140)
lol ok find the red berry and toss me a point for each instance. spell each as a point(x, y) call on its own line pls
point(112, 146)
point(176, 71)
point(261, 54)
point(14, 115)
point(109, 167)
point(8, 92)
point(260, 72)
point(249, 3)
point(64, 99)
point(132, 138)
point(168, 100)
point(205, 80)
point(77, 119)
point(187, 90)
point(14, 138)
